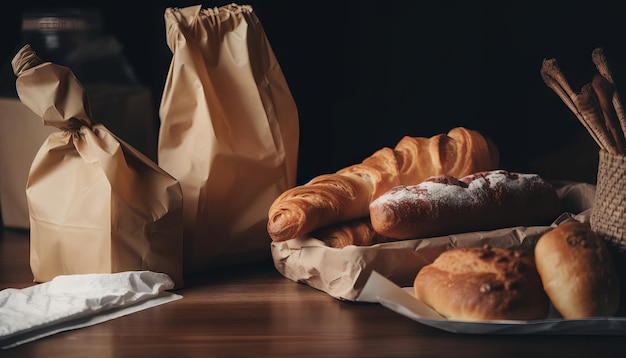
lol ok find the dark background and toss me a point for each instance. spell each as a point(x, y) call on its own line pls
point(365, 73)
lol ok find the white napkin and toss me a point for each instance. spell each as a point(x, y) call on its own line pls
point(75, 301)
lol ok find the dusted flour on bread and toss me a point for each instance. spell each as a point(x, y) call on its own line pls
point(438, 189)
point(444, 205)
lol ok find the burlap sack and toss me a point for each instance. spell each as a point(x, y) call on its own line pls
point(229, 132)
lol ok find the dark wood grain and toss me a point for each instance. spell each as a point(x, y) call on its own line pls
point(255, 312)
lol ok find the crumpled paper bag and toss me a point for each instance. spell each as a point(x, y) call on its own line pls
point(96, 204)
point(21, 135)
point(229, 132)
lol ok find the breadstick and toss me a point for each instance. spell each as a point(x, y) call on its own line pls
point(604, 93)
point(598, 57)
point(554, 78)
point(589, 108)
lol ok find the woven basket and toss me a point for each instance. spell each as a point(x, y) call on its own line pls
point(608, 215)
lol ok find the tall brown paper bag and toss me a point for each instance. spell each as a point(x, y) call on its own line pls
point(96, 204)
point(229, 132)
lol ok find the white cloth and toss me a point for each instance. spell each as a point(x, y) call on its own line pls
point(75, 301)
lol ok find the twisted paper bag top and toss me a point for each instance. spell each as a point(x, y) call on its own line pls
point(51, 91)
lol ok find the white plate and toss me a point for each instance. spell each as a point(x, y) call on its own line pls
point(380, 289)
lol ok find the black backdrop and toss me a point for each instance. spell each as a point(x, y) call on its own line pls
point(366, 73)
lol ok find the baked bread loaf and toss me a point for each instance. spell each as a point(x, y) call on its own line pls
point(358, 232)
point(345, 195)
point(443, 205)
point(577, 271)
point(483, 283)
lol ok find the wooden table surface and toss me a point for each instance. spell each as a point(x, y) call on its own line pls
point(256, 312)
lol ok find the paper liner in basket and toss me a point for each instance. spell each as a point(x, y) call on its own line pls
point(342, 272)
point(96, 204)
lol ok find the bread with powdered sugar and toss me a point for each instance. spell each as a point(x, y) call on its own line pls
point(443, 205)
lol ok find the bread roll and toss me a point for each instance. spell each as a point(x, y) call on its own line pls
point(345, 195)
point(443, 205)
point(577, 271)
point(483, 283)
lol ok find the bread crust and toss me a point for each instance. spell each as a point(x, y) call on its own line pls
point(577, 271)
point(357, 232)
point(483, 283)
point(443, 205)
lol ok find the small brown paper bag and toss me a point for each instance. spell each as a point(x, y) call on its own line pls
point(96, 204)
point(229, 132)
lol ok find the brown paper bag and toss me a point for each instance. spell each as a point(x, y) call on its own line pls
point(96, 204)
point(229, 132)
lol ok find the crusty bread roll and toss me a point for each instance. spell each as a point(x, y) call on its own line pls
point(577, 271)
point(345, 195)
point(443, 205)
point(483, 283)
